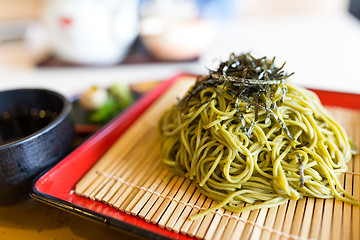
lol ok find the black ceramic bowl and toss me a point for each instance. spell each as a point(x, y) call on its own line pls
point(35, 133)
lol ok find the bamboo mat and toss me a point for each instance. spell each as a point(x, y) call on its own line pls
point(131, 178)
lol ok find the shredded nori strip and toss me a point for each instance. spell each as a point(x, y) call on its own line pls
point(301, 169)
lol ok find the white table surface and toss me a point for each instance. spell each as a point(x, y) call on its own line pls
point(323, 51)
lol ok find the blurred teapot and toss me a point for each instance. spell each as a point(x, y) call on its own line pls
point(95, 32)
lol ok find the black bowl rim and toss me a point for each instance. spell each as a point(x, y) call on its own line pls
point(65, 111)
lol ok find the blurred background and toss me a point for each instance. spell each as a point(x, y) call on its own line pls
point(70, 45)
point(67, 45)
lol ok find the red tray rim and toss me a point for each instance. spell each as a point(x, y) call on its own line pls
point(45, 186)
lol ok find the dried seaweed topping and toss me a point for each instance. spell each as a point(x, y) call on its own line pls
point(248, 79)
point(246, 69)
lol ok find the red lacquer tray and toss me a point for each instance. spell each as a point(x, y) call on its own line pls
point(55, 187)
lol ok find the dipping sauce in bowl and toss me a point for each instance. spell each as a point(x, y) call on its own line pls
point(16, 126)
point(35, 133)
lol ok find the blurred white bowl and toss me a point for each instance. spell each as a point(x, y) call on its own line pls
point(176, 40)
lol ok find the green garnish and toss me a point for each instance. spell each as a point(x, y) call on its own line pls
point(119, 98)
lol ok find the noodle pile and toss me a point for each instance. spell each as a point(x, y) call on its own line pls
point(245, 135)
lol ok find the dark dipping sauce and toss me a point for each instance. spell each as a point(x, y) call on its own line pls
point(15, 126)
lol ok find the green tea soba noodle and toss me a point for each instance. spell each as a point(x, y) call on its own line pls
point(246, 135)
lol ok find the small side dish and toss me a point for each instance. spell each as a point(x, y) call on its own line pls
point(104, 104)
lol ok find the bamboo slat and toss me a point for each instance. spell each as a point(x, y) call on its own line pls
point(269, 222)
point(131, 178)
point(231, 225)
point(222, 225)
